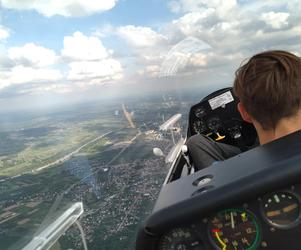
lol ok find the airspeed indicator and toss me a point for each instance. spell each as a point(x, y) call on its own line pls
point(181, 239)
point(234, 229)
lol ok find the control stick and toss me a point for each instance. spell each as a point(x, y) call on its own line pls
point(184, 150)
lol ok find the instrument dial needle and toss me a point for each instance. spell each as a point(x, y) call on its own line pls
point(232, 221)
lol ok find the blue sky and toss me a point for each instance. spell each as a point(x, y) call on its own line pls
point(75, 48)
point(30, 26)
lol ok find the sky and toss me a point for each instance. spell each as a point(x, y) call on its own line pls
point(53, 50)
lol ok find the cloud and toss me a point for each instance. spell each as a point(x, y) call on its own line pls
point(277, 20)
point(188, 51)
point(193, 22)
point(33, 55)
point(186, 6)
point(80, 47)
point(54, 88)
point(27, 65)
point(67, 8)
point(198, 60)
point(145, 50)
point(23, 75)
point(234, 29)
point(105, 30)
point(4, 33)
point(140, 36)
point(95, 72)
point(238, 28)
point(89, 61)
point(83, 61)
point(150, 71)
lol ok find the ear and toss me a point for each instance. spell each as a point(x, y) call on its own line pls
point(244, 114)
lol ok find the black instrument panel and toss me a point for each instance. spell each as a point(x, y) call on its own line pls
point(259, 224)
point(250, 201)
point(217, 116)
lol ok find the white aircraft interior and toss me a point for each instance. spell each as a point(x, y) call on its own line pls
point(250, 201)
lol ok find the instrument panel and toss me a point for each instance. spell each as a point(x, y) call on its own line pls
point(260, 224)
point(217, 116)
point(251, 201)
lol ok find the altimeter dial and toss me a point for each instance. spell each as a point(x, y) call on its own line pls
point(234, 229)
point(181, 239)
point(199, 126)
point(200, 112)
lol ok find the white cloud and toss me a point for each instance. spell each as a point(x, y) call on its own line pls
point(277, 20)
point(23, 75)
point(184, 6)
point(86, 60)
point(146, 46)
point(198, 60)
point(55, 88)
point(105, 30)
point(65, 8)
point(28, 65)
point(150, 71)
point(32, 54)
point(4, 33)
point(95, 71)
point(89, 61)
point(191, 23)
point(234, 29)
point(190, 52)
point(140, 36)
point(4, 81)
point(229, 27)
point(237, 28)
point(83, 48)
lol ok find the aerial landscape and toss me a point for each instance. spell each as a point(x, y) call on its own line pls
point(87, 153)
point(84, 87)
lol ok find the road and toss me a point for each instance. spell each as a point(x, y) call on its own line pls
point(60, 160)
point(106, 165)
point(68, 156)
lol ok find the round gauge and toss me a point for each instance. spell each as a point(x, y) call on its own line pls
point(199, 127)
point(214, 123)
point(234, 229)
point(181, 239)
point(200, 112)
point(281, 209)
point(234, 128)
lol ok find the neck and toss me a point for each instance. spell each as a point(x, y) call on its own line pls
point(284, 127)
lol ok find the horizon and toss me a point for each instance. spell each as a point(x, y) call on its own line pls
point(86, 50)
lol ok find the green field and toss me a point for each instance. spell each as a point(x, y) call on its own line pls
point(42, 141)
point(116, 176)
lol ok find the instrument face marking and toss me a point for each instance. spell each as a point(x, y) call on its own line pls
point(281, 209)
point(220, 241)
point(234, 229)
point(290, 208)
point(232, 221)
point(180, 238)
point(276, 198)
point(273, 213)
